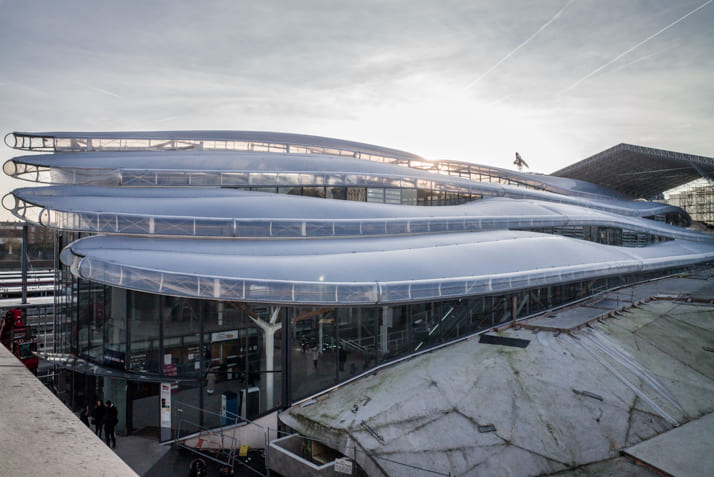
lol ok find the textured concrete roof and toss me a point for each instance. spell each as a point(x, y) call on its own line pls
point(562, 404)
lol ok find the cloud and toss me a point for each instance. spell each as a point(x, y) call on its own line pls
point(389, 73)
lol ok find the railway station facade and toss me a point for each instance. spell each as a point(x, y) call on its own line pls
point(275, 266)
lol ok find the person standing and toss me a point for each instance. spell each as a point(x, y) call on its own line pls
point(315, 356)
point(111, 417)
point(98, 417)
point(342, 357)
point(84, 416)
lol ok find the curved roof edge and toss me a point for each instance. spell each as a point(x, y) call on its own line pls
point(164, 276)
point(172, 140)
point(116, 211)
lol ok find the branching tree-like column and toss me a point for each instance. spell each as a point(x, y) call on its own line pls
point(269, 328)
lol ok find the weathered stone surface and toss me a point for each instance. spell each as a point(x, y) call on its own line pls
point(40, 436)
point(635, 376)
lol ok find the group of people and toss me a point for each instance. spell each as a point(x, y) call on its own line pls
point(104, 417)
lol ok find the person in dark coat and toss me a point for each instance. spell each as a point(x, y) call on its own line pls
point(84, 416)
point(111, 418)
point(98, 417)
point(342, 355)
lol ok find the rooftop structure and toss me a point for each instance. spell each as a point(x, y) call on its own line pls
point(640, 172)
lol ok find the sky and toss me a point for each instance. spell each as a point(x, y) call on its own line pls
point(469, 80)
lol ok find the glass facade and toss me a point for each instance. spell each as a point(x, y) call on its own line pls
point(268, 356)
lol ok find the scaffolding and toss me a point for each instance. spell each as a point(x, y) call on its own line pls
point(698, 202)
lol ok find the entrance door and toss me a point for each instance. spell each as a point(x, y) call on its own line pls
point(142, 410)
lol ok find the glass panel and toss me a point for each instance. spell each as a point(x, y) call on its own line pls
point(263, 178)
point(393, 333)
point(96, 324)
point(205, 178)
point(419, 226)
point(319, 229)
point(313, 192)
point(425, 325)
point(186, 411)
point(409, 196)
point(253, 229)
point(347, 228)
point(181, 330)
point(455, 320)
point(374, 228)
point(234, 178)
point(456, 225)
point(392, 196)
point(214, 228)
point(397, 227)
point(144, 331)
point(437, 225)
point(314, 362)
point(286, 229)
point(133, 225)
point(138, 178)
point(395, 292)
point(115, 327)
point(375, 195)
point(315, 292)
point(107, 223)
point(83, 317)
point(165, 178)
point(288, 179)
point(185, 285)
point(244, 357)
point(173, 226)
point(339, 193)
point(353, 293)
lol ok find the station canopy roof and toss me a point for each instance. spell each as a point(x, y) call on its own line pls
point(362, 271)
point(214, 212)
point(640, 172)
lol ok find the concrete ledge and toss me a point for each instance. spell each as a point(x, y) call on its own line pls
point(40, 436)
point(285, 459)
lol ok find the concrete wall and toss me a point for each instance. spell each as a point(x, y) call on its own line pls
point(284, 458)
point(39, 435)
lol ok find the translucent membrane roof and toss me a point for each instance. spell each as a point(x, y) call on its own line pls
point(232, 169)
point(212, 212)
point(198, 140)
point(261, 169)
point(257, 141)
point(362, 271)
point(184, 218)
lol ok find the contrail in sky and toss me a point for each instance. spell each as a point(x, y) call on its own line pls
point(109, 93)
point(629, 50)
point(515, 50)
